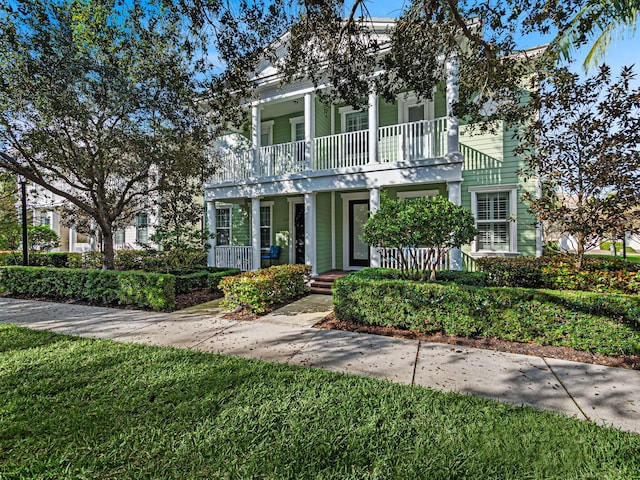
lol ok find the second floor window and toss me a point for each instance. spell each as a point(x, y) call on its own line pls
point(223, 226)
point(355, 121)
point(142, 228)
point(118, 237)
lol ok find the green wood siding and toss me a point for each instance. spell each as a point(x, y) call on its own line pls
point(323, 119)
point(339, 230)
point(387, 113)
point(323, 232)
point(282, 127)
point(240, 225)
point(393, 191)
point(489, 160)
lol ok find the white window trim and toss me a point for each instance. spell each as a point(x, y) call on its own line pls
point(418, 193)
point(344, 111)
point(268, 204)
point(267, 127)
point(294, 122)
point(512, 189)
point(139, 228)
point(228, 207)
point(409, 99)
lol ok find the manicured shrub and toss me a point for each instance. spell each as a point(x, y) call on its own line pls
point(606, 324)
point(258, 291)
point(41, 259)
point(149, 290)
point(159, 260)
point(205, 278)
point(597, 274)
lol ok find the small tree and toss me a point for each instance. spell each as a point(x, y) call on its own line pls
point(584, 148)
point(431, 222)
point(42, 238)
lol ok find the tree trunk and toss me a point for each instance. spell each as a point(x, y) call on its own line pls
point(109, 262)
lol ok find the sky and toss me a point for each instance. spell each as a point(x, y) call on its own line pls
point(620, 53)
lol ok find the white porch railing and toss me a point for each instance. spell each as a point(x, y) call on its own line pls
point(396, 143)
point(412, 141)
point(234, 256)
point(342, 150)
point(282, 159)
point(390, 257)
point(232, 166)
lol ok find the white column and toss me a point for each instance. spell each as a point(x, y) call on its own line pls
point(374, 205)
point(309, 130)
point(211, 227)
point(310, 231)
point(255, 138)
point(453, 141)
point(455, 254)
point(373, 126)
point(72, 239)
point(255, 231)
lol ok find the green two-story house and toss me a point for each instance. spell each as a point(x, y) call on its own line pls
point(307, 176)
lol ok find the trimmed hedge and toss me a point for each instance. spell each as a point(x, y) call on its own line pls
point(597, 275)
point(607, 324)
point(42, 259)
point(148, 290)
point(258, 291)
point(208, 279)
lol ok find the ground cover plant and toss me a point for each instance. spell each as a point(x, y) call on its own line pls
point(81, 408)
point(607, 324)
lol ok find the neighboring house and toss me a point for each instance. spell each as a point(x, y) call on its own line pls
point(307, 175)
point(46, 210)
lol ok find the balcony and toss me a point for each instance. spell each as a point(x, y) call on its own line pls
point(396, 143)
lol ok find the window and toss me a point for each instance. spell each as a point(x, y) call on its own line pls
point(45, 220)
point(493, 208)
point(118, 237)
point(356, 121)
point(266, 133)
point(265, 226)
point(223, 226)
point(493, 231)
point(142, 228)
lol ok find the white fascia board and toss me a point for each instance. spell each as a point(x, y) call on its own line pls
point(436, 170)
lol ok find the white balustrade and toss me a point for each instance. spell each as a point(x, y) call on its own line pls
point(396, 143)
point(282, 159)
point(234, 256)
point(343, 150)
point(391, 258)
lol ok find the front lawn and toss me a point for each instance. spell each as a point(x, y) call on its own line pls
point(80, 408)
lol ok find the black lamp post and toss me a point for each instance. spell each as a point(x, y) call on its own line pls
point(25, 240)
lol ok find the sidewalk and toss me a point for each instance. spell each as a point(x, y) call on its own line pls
point(604, 395)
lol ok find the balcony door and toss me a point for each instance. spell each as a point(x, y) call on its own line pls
point(417, 136)
point(355, 145)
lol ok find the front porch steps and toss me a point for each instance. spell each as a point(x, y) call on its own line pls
point(323, 282)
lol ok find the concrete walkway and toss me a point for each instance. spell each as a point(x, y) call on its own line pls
point(604, 395)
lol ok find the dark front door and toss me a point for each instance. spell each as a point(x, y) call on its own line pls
point(298, 227)
point(358, 249)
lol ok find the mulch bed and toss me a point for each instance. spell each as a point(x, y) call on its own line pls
point(330, 322)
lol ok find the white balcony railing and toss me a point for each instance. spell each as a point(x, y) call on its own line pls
point(234, 256)
point(390, 257)
point(232, 166)
point(342, 150)
point(396, 143)
point(412, 141)
point(282, 159)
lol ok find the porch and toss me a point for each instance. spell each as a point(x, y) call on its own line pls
point(400, 143)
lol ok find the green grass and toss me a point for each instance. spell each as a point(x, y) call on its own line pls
point(79, 408)
point(631, 257)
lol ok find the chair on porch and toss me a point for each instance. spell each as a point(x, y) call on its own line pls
point(273, 255)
